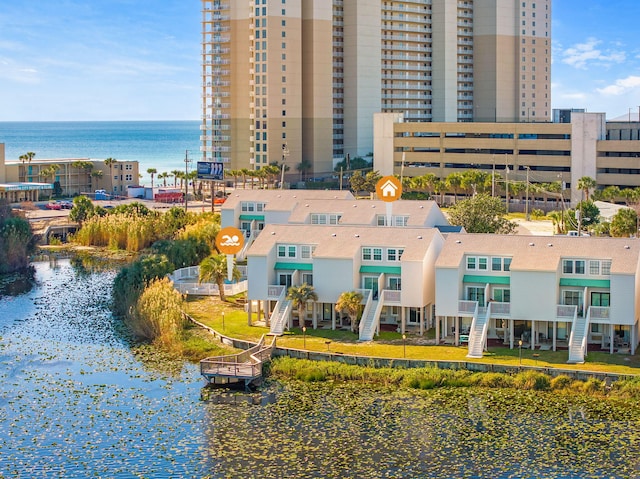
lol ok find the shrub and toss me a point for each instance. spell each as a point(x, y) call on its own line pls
point(495, 380)
point(561, 382)
point(593, 386)
point(532, 380)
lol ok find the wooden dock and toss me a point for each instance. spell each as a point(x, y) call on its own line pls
point(242, 367)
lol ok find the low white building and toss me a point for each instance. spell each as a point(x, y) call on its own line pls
point(392, 267)
point(543, 291)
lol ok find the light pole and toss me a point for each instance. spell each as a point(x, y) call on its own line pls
point(304, 337)
point(186, 178)
point(520, 347)
point(526, 214)
point(404, 344)
point(285, 153)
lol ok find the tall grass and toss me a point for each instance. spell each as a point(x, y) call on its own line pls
point(157, 316)
point(429, 378)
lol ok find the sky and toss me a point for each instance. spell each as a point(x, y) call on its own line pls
point(70, 60)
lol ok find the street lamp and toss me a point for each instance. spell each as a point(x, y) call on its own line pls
point(520, 347)
point(285, 153)
point(404, 344)
point(304, 337)
point(327, 343)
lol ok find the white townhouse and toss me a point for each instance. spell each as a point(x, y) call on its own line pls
point(403, 213)
point(534, 291)
point(392, 267)
point(249, 210)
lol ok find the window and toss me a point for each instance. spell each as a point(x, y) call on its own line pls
point(306, 251)
point(377, 254)
point(606, 268)
point(471, 262)
point(395, 283)
point(287, 251)
point(501, 295)
point(366, 254)
point(392, 254)
point(291, 251)
point(307, 278)
point(128, 177)
point(571, 266)
point(482, 264)
point(600, 299)
point(282, 251)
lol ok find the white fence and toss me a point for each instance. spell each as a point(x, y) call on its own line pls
point(185, 280)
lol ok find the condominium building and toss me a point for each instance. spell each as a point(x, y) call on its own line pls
point(298, 81)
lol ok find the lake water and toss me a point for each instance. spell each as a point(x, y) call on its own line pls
point(162, 145)
point(77, 400)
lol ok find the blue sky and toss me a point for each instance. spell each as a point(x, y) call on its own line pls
point(140, 59)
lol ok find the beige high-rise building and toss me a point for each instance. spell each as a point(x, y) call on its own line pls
point(300, 80)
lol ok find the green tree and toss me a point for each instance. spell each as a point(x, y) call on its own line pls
point(454, 182)
point(16, 240)
point(213, 269)
point(481, 214)
point(352, 164)
point(624, 223)
point(357, 182)
point(299, 297)
point(82, 209)
point(176, 176)
point(152, 172)
point(350, 302)
point(586, 184)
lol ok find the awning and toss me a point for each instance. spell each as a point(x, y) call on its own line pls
point(381, 269)
point(472, 278)
point(294, 266)
point(585, 283)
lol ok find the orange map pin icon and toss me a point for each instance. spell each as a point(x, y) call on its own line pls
point(389, 188)
point(230, 240)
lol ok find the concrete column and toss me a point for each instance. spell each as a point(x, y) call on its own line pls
point(457, 323)
point(249, 312)
point(314, 316)
point(611, 338)
point(511, 333)
point(533, 334)
point(333, 317)
point(403, 319)
point(267, 312)
point(437, 329)
point(259, 310)
point(422, 321)
point(632, 339)
point(555, 334)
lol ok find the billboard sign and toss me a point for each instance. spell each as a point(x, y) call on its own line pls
point(210, 170)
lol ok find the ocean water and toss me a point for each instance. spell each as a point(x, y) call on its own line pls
point(162, 145)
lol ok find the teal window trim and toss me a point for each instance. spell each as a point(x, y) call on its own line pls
point(381, 269)
point(484, 279)
point(294, 266)
point(585, 283)
point(252, 217)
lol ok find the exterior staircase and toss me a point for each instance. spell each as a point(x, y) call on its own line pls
point(478, 333)
point(280, 316)
point(368, 323)
point(578, 339)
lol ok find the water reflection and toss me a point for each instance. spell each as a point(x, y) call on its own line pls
point(219, 395)
point(16, 284)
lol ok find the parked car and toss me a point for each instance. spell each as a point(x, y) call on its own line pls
point(65, 205)
point(53, 206)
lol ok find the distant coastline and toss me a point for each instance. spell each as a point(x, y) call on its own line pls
point(159, 144)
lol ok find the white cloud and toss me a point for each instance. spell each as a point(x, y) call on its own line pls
point(621, 86)
point(582, 54)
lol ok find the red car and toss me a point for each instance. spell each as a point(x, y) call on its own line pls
point(53, 206)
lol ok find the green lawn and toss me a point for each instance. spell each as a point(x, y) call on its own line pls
point(390, 344)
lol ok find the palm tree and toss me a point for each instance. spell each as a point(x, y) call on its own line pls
point(350, 302)
point(213, 269)
point(110, 162)
point(454, 181)
point(152, 172)
point(586, 183)
point(163, 176)
point(244, 172)
point(96, 174)
point(299, 297)
point(272, 172)
point(303, 167)
point(176, 176)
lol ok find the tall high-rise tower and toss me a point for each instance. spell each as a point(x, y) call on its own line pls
point(299, 80)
